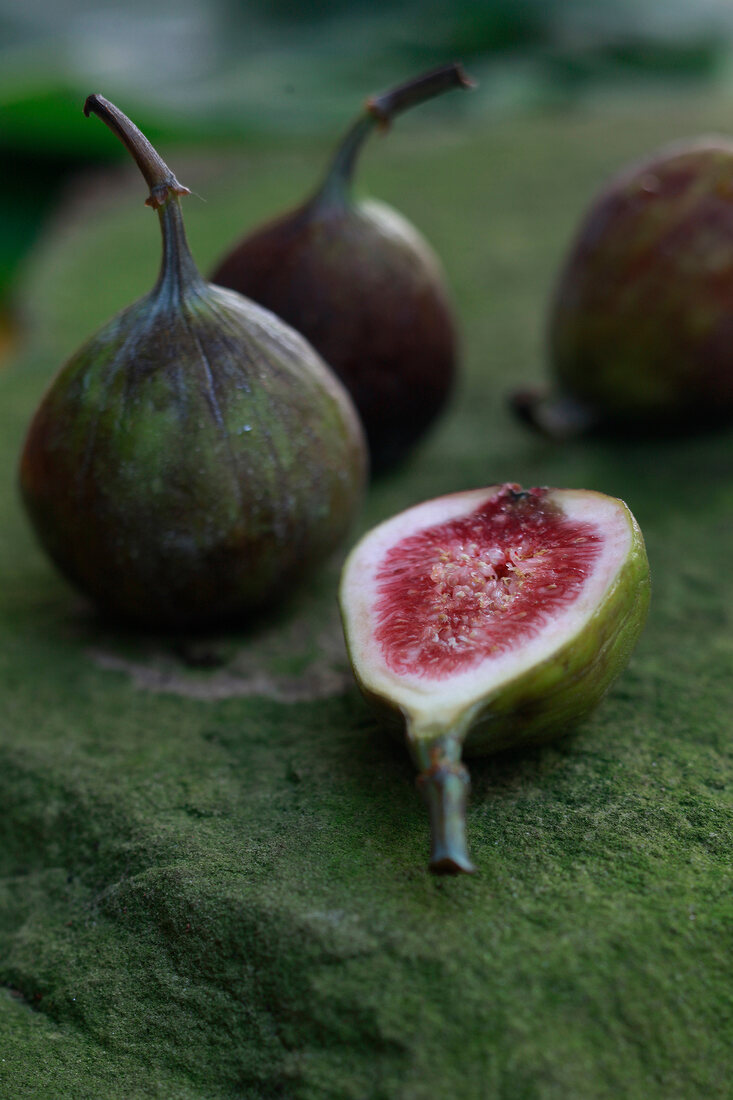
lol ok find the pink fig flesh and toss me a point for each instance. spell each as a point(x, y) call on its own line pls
point(479, 584)
point(494, 618)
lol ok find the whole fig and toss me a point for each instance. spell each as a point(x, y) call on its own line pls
point(196, 457)
point(491, 619)
point(363, 286)
point(642, 315)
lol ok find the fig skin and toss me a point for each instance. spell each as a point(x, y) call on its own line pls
point(364, 287)
point(536, 703)
point(195, 458)
point(367, 291)
point(641, 320)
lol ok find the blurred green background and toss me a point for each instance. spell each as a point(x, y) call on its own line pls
point(221, 72)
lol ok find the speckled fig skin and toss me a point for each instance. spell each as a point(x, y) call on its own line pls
point(195, 458)
point(641, 321)
point(364, 288)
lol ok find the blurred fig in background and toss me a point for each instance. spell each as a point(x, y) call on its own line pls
point(363, 287)
point(641, 322)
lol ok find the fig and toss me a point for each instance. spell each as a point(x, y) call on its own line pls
point(196, 457)
point(363, 286)
point(488, 620)
point(642, 314)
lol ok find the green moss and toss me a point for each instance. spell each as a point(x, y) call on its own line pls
point(227, 896)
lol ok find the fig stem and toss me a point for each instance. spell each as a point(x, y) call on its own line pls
point(411, 92)
point(444, 784)
point(158, 176)
point(378, 112)
point(178, 269)
point(559, 418)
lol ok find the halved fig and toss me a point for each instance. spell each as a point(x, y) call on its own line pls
point(490, 619)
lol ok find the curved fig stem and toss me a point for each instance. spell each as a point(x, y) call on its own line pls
point(178, 270)
point(157, 174)
point(379, 112)
point(385, 106)
point(444, 783)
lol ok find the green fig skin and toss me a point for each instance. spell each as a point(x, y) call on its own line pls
point(194, 459)
point(641, 321)
point(542, 702)
point(364, 288)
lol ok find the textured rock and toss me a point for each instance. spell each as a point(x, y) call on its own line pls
point(210, 893)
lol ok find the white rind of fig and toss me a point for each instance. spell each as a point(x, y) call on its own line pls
point(528, 691)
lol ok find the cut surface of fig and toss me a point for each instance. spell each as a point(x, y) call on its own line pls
point(478, 586)
point(492, 618)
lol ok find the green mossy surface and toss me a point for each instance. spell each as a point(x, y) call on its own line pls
point(213, 859)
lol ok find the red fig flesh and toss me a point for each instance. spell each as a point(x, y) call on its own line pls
point(491, 618)
point(363, 287)
point(642, 315)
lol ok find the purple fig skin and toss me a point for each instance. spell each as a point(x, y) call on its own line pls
point(196, 458)
point(366, 291)
point(364, 288)
point(641, 322)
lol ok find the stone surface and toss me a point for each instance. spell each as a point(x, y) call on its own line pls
point(212, 858)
